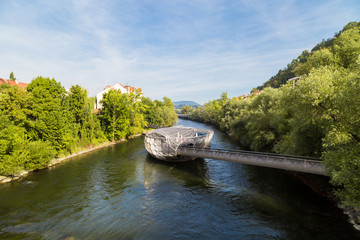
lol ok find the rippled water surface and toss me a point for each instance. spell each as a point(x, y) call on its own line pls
point(122, 193)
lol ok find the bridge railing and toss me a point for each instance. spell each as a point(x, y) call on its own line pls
point(295, 157)
point(272, 160)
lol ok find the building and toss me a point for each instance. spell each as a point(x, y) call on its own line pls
point(251, 94)
point(13, 83)
point(119, 87)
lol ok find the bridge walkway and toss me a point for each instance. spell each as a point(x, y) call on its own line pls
point(279, 161)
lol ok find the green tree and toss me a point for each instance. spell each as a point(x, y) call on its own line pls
point(136, 112)
point(16, 104)
point(50, 114)
point(197, 114)
point(342, 140)
point(18, 153)
point(77, 102)
point(185, 109)
point(149, 111)
point(86, 124)
point(12, 77)
point(347, 48)
point(169, 114)
point(160, 113)
point(115, 115)
point(320, 58)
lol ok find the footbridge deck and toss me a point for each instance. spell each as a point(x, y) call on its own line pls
point(286, 162)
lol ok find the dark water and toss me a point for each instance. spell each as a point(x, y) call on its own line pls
point(121, 193)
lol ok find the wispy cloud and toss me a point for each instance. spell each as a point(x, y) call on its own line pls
point(182, 49)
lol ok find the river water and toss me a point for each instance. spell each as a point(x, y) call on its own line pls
point(121, 193)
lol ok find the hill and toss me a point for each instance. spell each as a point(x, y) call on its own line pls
point(307, 59)
point(180, 104)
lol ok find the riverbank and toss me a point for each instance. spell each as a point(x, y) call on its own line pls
point(121, 192)
point(59, 160)
point(321, 186)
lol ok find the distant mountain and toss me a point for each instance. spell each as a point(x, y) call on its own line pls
point(180, 104)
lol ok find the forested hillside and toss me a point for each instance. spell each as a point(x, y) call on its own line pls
point(46, 121)
point(317, 114)
point(300, 66)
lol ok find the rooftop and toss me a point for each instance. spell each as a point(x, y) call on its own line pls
point(13, 83)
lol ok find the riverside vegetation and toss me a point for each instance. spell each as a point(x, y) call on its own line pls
point(46, 121)
point(316, 114)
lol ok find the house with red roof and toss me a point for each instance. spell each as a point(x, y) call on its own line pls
point(13, 83)
point(119, 87)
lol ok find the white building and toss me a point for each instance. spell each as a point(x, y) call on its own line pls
point(118, 86)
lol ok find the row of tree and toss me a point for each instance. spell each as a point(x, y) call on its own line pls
point(317, 114)
point(46, 121)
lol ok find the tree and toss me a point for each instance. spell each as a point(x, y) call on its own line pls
point(320, 58)
point(159, 113)
point(149, 111)
point(185, 109)
point(50, 116)
point(169, 114)
point(77, 102)
point(86, 124)
point(16, 104)
point(115, 115)
point(347, 48)
point(18, 153)
point(136, 112)
point(12, 77)
point(342, 140)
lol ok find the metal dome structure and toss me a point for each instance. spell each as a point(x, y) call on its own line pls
point(163, 143)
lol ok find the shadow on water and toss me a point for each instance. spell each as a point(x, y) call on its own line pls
point(275, 197)
point(192, 172)
point(305, 213)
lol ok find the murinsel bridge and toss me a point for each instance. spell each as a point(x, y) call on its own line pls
point(279, 161)
point(179, 142)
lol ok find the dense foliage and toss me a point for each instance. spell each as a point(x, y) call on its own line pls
point(46, 121)
point(317, 114)
point(159, 113)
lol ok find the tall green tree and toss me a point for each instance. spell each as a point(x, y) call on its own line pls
point(149, 111)
point(169, 114)
point(12, 76)
point(115, 115)
point(136, 113)
point(49, 113)
point(86, 123)
point(77, 102)
point(16, 104)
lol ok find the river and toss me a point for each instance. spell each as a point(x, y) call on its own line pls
point(120, 192)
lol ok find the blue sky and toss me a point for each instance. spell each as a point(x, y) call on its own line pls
point(185, 50)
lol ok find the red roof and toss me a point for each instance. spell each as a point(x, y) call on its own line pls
point(13, 83)
point(130, 89)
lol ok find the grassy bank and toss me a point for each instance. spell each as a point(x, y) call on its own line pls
point(60, 159)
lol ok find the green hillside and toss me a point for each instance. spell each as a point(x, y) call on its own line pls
point(301, 65)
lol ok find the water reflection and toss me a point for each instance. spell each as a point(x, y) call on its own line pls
point(121, 192)
point(192, 173)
